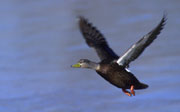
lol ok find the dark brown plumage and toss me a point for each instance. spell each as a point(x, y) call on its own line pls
point(112, 67)
point(119, 76)
point(96, 40)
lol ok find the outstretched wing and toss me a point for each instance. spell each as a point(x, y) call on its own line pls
point(96, 40)
point(136, 49)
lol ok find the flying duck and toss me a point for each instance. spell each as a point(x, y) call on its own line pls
point(112, 67)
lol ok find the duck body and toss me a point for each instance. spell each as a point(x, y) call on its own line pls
point(118, 75)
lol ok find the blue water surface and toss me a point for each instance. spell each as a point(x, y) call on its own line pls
point(40, 39)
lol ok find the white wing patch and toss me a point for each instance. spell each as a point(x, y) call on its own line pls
point(129, 54)
point(127, 70)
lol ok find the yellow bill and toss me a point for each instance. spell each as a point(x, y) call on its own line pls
point(76, 65)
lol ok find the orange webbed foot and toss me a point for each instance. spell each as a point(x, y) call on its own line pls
point(132, 90)
point(126, 92)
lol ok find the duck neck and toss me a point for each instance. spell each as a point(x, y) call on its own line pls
point(93, 65)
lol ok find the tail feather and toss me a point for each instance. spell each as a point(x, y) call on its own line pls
point(142, 86)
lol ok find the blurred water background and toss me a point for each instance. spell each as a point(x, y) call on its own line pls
point(40, 39)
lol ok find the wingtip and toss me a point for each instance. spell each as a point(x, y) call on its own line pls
point(164, 19)
point(165, 14)
point(82, 19)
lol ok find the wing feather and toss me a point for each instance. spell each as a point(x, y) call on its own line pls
point(135, 50)
point(96, 40)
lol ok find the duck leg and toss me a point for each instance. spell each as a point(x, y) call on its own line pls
point(132, 90)
point(126, 92)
